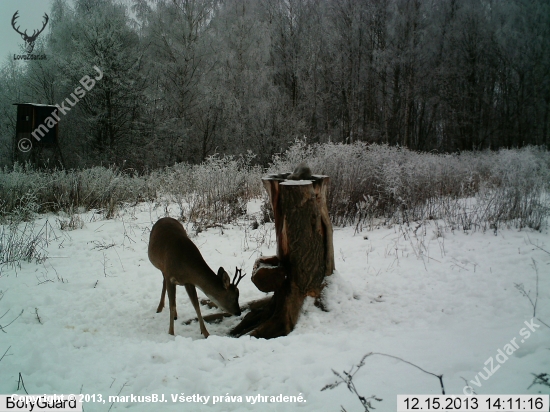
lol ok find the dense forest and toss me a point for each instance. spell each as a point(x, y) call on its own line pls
point(184, 79)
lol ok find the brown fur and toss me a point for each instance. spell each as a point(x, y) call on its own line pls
point(181, 263)
point(301, 172)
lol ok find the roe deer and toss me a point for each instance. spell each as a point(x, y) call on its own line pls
point(181, 263)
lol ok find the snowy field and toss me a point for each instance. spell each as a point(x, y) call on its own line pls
point(442, 299)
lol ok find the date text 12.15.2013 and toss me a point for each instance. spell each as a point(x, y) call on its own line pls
point(478, 403)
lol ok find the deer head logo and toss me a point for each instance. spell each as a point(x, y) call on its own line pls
point(29, 40)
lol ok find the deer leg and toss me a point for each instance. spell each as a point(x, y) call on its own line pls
point(161, 304)
point(192, 292)
point(171, 287)
point(175, 310)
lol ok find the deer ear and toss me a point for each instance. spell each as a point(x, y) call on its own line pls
point(224, 277)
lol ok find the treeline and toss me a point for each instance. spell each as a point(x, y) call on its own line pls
point(184, 79)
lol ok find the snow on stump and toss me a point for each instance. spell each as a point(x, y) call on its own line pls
point(305, 255)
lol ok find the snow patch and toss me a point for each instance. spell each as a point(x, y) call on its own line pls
point(338, 292)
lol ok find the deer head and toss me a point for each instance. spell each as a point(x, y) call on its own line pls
point(29, 40)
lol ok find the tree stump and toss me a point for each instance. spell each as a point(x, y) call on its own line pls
point(305, 255)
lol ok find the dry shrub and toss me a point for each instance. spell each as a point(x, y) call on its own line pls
point(213, 192)
point(369, 183)
point(23, 241)
point(470, 190)
point(25, 190)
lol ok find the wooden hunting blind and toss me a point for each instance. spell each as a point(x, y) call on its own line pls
point(37, 129)
point(29, 118)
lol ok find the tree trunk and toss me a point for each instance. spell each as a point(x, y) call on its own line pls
point(305, 255)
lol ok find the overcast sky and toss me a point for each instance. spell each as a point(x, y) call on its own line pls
point(30, 17)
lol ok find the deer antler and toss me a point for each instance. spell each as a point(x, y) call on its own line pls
point(15, 16)
point(24, 34)
point(35, 33)
point(237, 272)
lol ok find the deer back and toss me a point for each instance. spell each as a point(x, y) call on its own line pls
point(171, 251)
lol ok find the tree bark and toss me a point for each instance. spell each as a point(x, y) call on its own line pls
point(305, 255)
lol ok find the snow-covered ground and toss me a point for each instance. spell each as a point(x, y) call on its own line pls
point(444, 300)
